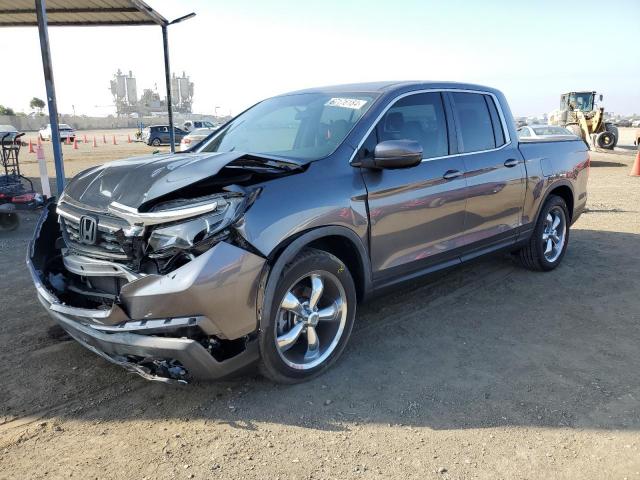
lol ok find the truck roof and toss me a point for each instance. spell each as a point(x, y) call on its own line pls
point(391, 86)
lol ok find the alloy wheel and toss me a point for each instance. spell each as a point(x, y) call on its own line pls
point(554, 234)
point(310, 320)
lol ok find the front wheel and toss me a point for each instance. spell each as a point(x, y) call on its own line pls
point(550, 237)
point(155, 142)
point(311, 318)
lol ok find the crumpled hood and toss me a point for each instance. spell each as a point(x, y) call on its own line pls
point(135, 181)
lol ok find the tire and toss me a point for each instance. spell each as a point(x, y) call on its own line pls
point(532, 255)
point(613, 129)
point(296, 361)
point(605, 140)
point(9, 221)
point(155, 142)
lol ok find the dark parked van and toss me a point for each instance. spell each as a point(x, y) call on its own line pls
point(159, 135)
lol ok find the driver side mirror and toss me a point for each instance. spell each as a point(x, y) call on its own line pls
point(393, 154)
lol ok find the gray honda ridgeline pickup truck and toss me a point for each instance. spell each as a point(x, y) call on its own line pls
point(255, 246)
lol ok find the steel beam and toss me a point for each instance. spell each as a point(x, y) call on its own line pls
point(21, 11)
point(167, 76)
point(41, 13)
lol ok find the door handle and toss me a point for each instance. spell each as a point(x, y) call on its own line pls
point(512, 162)
point(451, 174)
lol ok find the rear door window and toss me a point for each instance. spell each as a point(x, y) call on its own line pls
point(473, 121)
point(418, 117)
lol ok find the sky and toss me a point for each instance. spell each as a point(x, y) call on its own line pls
point(242, 51)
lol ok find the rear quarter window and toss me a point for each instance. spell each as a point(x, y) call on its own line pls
point(498, 131)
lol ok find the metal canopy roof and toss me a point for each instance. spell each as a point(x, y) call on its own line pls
point(43, 13)
point(22, 13)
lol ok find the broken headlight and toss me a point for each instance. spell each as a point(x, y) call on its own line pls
point(185, 235)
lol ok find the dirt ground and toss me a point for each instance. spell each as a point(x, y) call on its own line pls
point(486, 371)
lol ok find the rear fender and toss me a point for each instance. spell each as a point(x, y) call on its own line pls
point(553, 185)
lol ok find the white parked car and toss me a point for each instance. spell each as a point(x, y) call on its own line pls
point(190, 125)
point(8, 131)
point(544, 131)
point(195, 137)
point(66, 131)
point(635, 123)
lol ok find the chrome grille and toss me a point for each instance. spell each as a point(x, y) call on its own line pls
point(104, 239)
point(106, 244)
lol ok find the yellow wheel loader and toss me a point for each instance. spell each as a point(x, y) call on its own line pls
point(578, 113)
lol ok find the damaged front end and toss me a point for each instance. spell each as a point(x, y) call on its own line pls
point(167, 288)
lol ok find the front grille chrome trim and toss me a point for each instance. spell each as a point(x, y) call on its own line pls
point(134, 217)
point(93, 267)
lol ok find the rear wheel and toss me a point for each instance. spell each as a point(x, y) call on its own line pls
point(606, 140)
point(609, 127)
point(310, 322)
point(550, 237)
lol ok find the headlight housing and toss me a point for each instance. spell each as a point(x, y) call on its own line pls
point(186, 234)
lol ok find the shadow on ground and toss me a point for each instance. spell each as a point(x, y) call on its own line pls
point(486, 344)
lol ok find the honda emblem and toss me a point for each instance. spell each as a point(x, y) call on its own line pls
point(88, 230)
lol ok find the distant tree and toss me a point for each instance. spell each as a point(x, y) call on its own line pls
point(6, 111)
point(37, 104)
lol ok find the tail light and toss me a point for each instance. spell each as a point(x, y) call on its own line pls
point(24, 198)
point(186, 141)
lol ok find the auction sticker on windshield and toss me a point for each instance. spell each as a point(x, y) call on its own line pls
point(354, 103)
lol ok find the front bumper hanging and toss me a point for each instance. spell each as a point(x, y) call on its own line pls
point(214, 293)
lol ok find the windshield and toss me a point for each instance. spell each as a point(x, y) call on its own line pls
point(202, 132)
point(550, 130)
point(581, 101)
point(305, 126)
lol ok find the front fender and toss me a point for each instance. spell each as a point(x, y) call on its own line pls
point(271, 275)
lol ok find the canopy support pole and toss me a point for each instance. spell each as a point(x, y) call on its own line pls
point(41, 14)
point(167, 76)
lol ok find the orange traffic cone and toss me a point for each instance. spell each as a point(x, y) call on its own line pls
point(95, 144)
point(635, 170)
point(75, 143)
point(104, 139)
point(128, 138)
point(85, 139)
point(31, 150)
point(39, 141)
point(114, 140)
